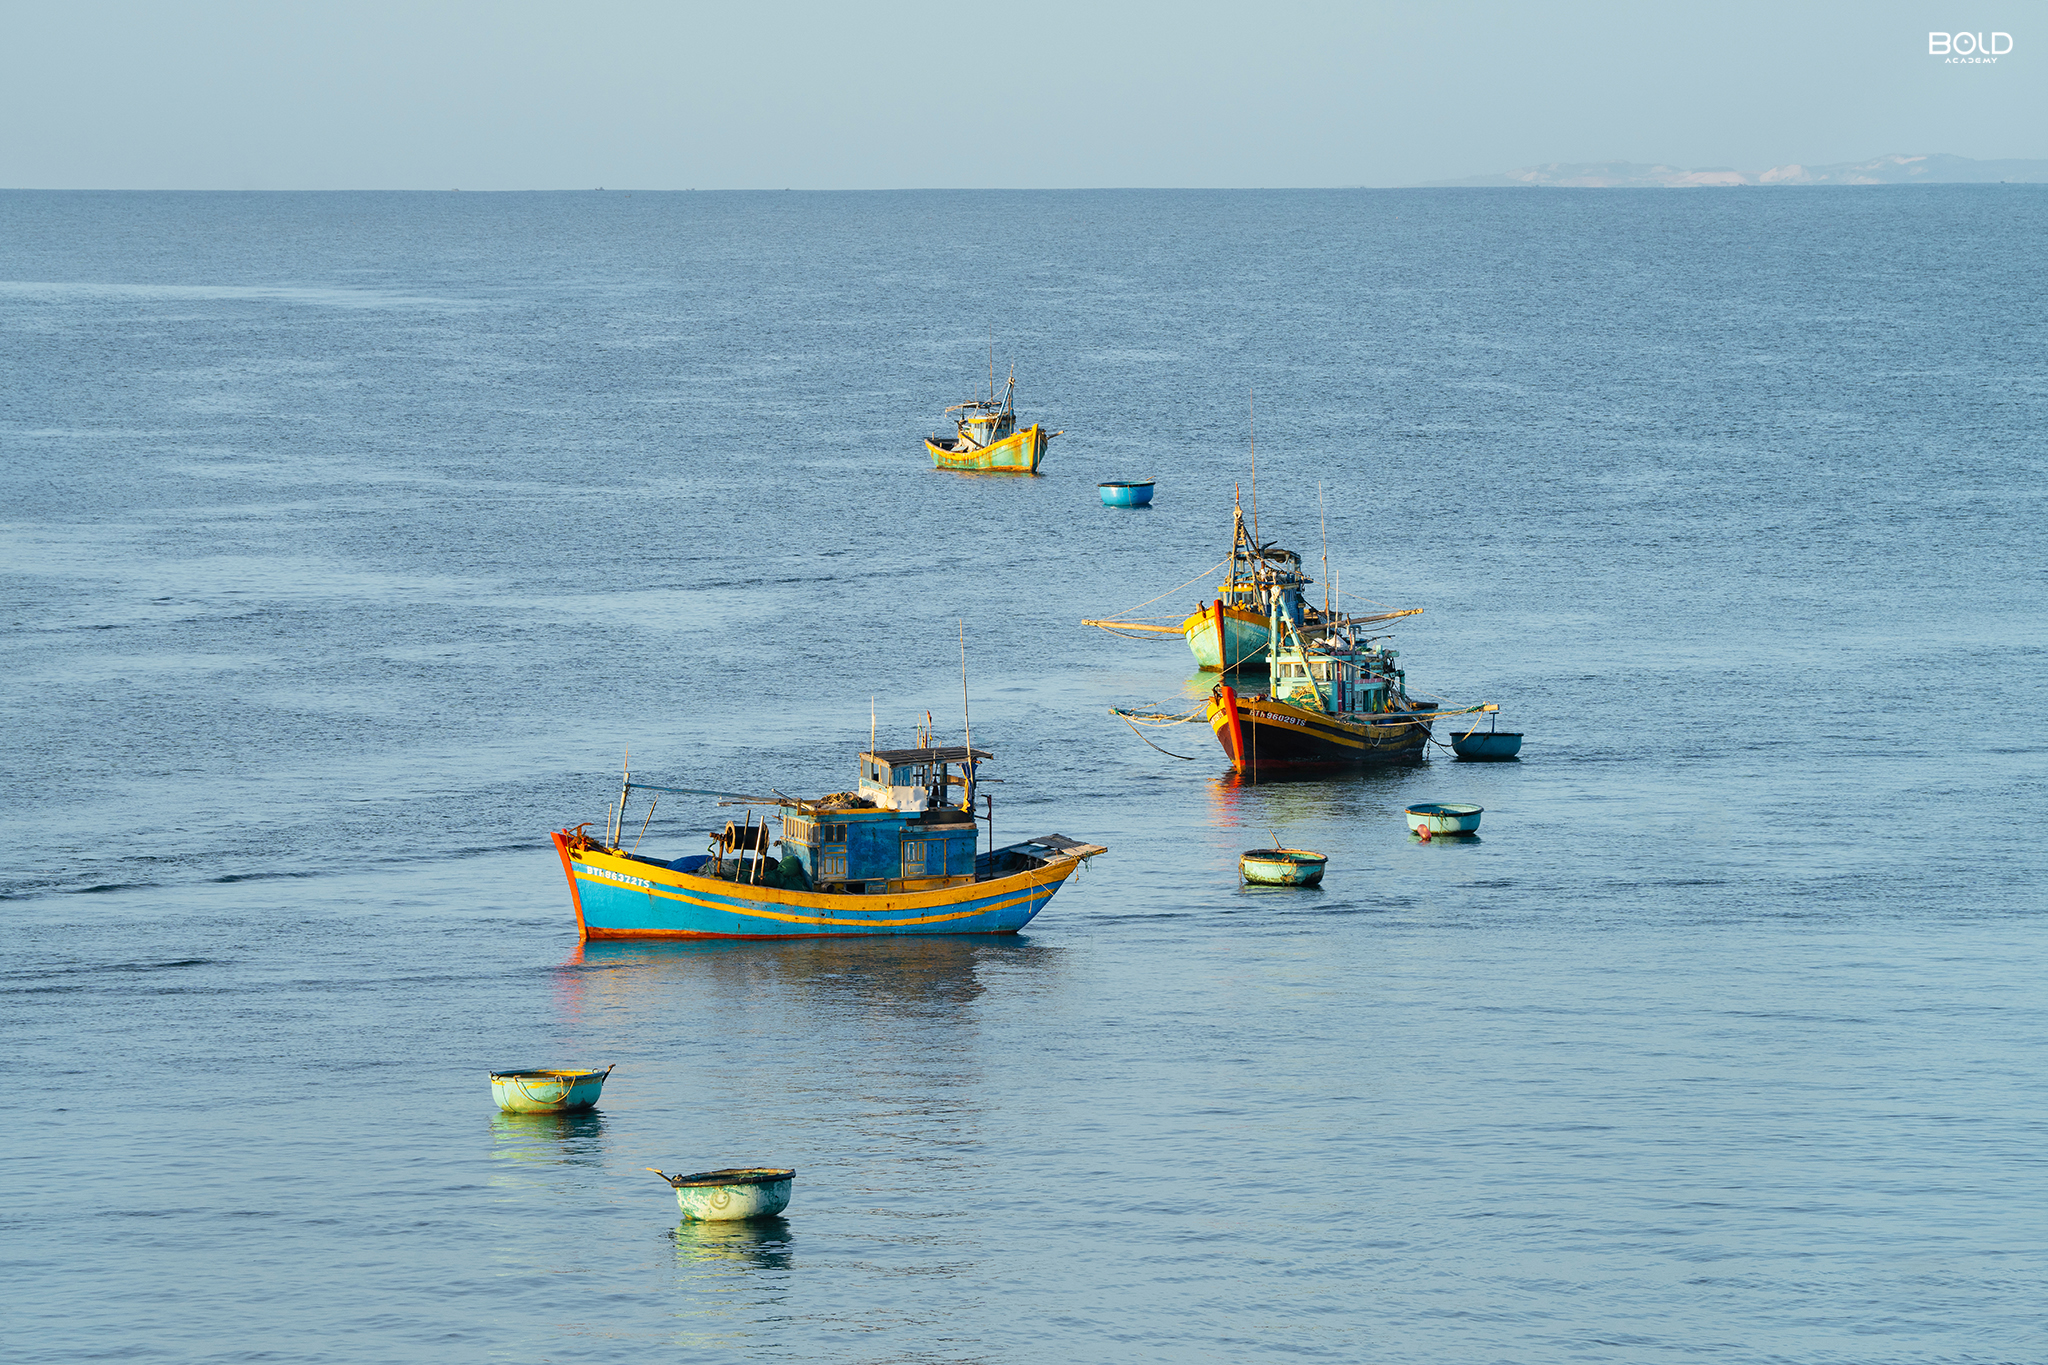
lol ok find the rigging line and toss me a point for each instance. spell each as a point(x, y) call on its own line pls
point(1156, 721)
point(1185, 758)
point(1171, 591)
point(1124, 634)
point(1150, 711)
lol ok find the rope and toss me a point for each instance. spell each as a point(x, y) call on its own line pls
point(531, 1098)
point(1185, 758)
point(1123, 635)
point(1171, 591)
point(1158, 719)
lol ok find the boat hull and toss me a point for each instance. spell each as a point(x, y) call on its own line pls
point(1487, 746)
point(1125, 494)
point(1269, 867)
point(1017, 453)
point(1238, 642)
point(751, 1198)
point(1261, 735)
point(1440, 818)
point(617, 896)
point(547, 1092)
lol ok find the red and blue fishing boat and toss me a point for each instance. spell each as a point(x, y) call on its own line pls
point(900, 854)
point(1335, 697)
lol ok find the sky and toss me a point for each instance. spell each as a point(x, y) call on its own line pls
point(747, 94)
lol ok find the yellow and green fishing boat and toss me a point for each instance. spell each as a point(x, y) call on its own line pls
point(1231, 631)
point(987, 438)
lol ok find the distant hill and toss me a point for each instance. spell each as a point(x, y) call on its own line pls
point(1895, 168)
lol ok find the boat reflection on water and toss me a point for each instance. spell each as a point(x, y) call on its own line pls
point(555, 1139)
point(1330, 795)
point(757, 1244)
point(908, 976)
point(526, 1146)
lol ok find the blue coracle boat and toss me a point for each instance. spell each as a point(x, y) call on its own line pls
point(892, 857)
point(1125, 494)
point(1488, 746)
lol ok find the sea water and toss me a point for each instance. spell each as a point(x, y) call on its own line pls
point(353, 540)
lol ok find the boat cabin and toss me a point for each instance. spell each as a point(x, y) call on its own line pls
point(1336, 672)
point(1256, 571)
point(905, 829)
point(984, 424)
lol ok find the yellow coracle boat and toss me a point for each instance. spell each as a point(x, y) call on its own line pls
point(987, 438)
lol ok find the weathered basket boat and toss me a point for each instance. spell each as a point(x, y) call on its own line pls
point(546, 1090)
point(1282, 866)
point(1125, 494)
point(729, 1195)
point(1438, 817)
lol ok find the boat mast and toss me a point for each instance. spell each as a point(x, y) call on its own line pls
point(966, 717)
point(1324, 517)
point(1252, 430)
point(1236, 540)
point(625, 790)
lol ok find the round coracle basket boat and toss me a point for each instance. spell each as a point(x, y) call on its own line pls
point(735, 1193)
point(547, 1090)
point(1282, 866)
point(1487, 746)
point(1125, 493)
point(1443, 817)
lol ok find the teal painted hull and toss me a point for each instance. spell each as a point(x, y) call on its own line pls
point(1282, 867)
point(1245, 641)
point(1440, 818)
point(1487, 746)
point(547, 1091)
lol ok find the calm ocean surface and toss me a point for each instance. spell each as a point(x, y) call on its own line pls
point(351, 539)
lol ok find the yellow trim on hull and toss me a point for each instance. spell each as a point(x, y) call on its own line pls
point(1353, 732)
point(1018, 453)
point(1206, 618)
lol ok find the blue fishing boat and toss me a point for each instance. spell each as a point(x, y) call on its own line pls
point(900, 854)
point(1126, 493)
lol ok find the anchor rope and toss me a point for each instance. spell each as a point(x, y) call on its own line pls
point(1125, 614)
point(1159, 719)
point(1185, 758)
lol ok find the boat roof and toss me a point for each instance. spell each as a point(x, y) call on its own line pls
point(954, 754)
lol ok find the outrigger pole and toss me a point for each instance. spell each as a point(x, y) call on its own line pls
point(738, 797)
